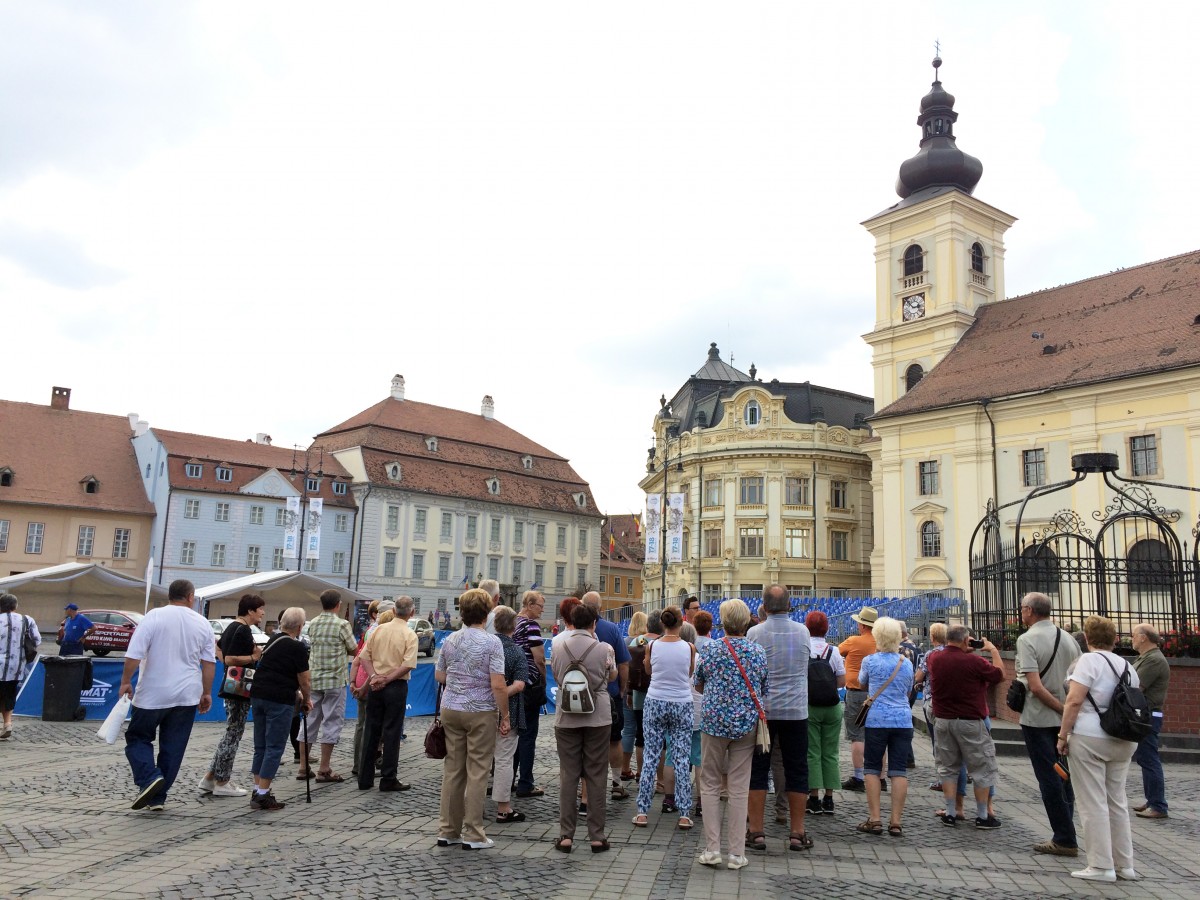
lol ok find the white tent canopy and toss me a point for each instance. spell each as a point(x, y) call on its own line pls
point(280, 590)
point(43, 593)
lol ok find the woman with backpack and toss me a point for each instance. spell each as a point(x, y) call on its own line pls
point(13, 628)
point(1099, 761)
point(826, 675)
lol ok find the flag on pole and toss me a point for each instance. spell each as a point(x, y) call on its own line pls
point(466, 581)
point(533, 587)
point(612, 542)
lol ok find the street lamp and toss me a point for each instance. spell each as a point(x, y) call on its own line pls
point(305, 503)
point(671, 433)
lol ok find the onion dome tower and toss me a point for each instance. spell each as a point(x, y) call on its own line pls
point(939, 162)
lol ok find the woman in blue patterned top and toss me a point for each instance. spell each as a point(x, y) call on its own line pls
point(728, 717)
point(889, 726)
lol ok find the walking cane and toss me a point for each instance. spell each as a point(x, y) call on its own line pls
point(307, 762)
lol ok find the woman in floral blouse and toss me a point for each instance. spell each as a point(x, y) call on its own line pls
point(728, 717)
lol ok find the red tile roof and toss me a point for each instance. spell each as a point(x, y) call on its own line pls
point(1134, 321)
point(628, 542)
point(51, 451)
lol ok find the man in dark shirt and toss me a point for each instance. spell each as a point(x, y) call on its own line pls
point(1155, 675)
point(960, 708)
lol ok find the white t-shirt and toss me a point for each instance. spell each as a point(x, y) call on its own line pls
point(171, 642)
point(1092, 671)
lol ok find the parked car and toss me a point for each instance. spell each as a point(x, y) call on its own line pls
point(219, 626)
point(114, 628)
point(425, 636)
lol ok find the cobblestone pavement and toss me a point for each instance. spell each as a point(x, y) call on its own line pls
point(68, 832)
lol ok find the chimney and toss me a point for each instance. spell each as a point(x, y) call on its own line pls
point(489, 407)
point(397, 387)
point(141, 428)
point(133, 420)
point(262, 438)
point(60, 398)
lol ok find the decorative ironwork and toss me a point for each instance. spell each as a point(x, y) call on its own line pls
point(1135, 499)
point(1065, 521)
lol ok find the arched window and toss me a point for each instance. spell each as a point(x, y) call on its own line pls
point(912, 375)
point(977, 257)
point(1150, 566)
point(914, 260)
point(753, 413)
point(1040, 566)
point(931, 539)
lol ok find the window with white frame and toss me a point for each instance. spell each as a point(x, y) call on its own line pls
point(753, 414)
point(253, 555)
point(562, 537)
point(339, 562)
point(797, 491)
point(560, 576)
point(4, 526)
point(1143, 454)
point(928, 477)
point(751, 491)
point(540, 537)
point(796, 543)
point(629, 586)
point(222, 513)
point(310, 565)
point(581, 575)
point(750, 542)
point(839, 495)
point(34, 534)
point(339, 488)
point(256, 515)
point(393, 518)
point(517, 567)
point(280, 517)
point(389, 563)
point(312, 485)
point(518, 532)
point(421, 516)
point(187, 554)
point(469, 565)
point(121, 538)
point(1033, 467)
point(341, 521)
point(603, 583)
point(494, 567)
point(224, 473)
point(616, 584)
point(712, 492)
point(443, 568)
point(193, 470)
point(527, 461)
point(583, 540)
point(218, 555)
point(431, 444)
point(539, 574)
point(277, 559)
point(712, 542)
point(472, 527)
point(931, 539)
point(447, 525)
point(418, 567)
point(191, 509)
point(87, 538)
point(494, 536)
point(839, 545)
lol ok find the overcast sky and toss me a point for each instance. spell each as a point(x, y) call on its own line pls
point(234, 218)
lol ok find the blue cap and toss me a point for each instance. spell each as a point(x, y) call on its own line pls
point(70, 606)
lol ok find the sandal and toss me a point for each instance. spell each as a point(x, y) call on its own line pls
point(329, 778)
point(305, 775)
point(869, 827)
point(799, 841)
point(895, 831)
point(641, 820)
point(627, 776)
point(756, 842)
point(511, 816)
point(563, 845)
point(685, 824)
point(600, 846)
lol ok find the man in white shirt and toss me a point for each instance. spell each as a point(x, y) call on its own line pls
point(173, 646)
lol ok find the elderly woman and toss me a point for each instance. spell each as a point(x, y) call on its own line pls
point(281, 674)
point(1099, 761)
point(888, 679)
point(631, 733)
point(474, 711)
point(358, 679)
point(516, 676)
point(728, 721)
point(824, 721)
point(582, 737)
point(13, 626)
point(237, 649)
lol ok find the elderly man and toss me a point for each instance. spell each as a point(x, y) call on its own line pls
point(854, 650)
point(76, 627)
point(331, 646)
point(173, 646)
point(787, 646)
point(389, 657)
point(960, 707)
point(492, 587)
point(1155, 675)
point(608, 633)
point(528, 636)
point(1044, 654)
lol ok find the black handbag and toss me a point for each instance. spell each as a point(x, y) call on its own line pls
point(435, 737)
point(1015, 698)
point(29, 645)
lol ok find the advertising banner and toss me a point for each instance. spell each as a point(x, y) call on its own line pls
point(653, 527)
point(675, 528)
point(291, 529)
point(312, 537)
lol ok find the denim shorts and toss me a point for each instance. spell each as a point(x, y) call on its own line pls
point(896, 742)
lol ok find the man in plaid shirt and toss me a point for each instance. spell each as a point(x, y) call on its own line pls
point(331, 647)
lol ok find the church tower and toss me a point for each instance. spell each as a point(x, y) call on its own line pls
point(939, 254)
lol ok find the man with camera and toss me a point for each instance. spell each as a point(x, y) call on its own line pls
point(960, 707)
point(1044, 653)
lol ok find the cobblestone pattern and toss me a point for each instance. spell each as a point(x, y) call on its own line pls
point(68, 832)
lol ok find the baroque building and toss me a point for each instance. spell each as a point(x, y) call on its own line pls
point(776, 486)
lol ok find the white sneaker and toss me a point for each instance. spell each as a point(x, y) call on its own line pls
point(1093, 874)
point(736, 862)
point(709, 858)
point(206, 785)
point(228, 789)
point(1128, 874)
point(479, 845)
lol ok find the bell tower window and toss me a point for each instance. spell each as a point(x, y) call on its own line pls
point(912, 376)
point(977, 257)
point(914, 260)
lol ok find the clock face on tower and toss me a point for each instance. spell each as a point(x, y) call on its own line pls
point(912, 307)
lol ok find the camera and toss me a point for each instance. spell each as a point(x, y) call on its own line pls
point(975, 643)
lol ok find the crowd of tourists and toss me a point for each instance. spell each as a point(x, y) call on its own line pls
point(666, 708)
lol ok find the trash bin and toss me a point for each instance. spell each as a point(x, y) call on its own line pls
point(66, 678)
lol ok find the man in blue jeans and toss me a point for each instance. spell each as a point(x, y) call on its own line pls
point(173, 646)
point(1044, 653)
point(1154, 672)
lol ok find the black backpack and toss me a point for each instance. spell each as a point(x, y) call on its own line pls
point(822, 683)
point(1128, 713)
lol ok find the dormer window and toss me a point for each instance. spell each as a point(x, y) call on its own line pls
point(224, 473)
point(493, 485)
point(193, 470)
point(6, 477)
point(312, 484)
point(753, 415)
point(91, 485)
point(339, 488)
point(431, 444)
point(580, 499)
point(977, 257)
point(914, 260)
point(393, 471)
point(527, 461)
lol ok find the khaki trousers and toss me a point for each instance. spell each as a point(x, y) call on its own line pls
point(582, 752)
point(1099, 767)
point(470, 743)
point(732, 758)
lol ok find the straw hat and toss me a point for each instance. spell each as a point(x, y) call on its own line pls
point(866, 616)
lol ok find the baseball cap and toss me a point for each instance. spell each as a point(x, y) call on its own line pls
point(70, 606)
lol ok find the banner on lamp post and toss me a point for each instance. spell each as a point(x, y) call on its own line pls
point(291, 529)
point(675, 528)
point(312, 549)
point(653, 527)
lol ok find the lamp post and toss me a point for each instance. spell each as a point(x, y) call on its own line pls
point(671, 432)
point(304, 501)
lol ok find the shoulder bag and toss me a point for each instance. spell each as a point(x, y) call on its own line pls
point(1017, 690)
point(27, 642)
point(860, 720)
point(762, 737)
point(435, 737)
point(237, 681)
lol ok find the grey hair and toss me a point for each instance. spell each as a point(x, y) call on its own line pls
point(405, 607)
point(687, 632)
point(956, 634)
point(1148, 631)
point(776, 599)
point(505, 620)
point(292, 619)
point(1038, 604)
point(491, 585)
point(654, 622)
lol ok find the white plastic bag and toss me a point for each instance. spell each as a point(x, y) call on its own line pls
point(111, 729)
